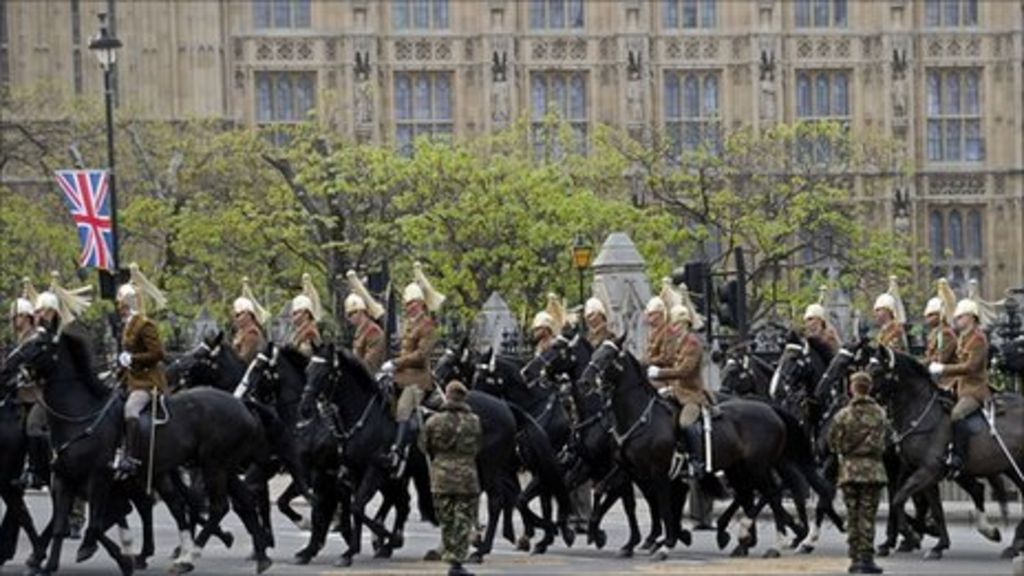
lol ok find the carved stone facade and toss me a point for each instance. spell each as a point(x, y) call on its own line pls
point(207, 59)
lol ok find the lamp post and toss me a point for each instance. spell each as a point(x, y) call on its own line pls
point(581, 256)
point(105, 46)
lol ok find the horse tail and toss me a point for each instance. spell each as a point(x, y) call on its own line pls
point(798, 445)
point(539, 457)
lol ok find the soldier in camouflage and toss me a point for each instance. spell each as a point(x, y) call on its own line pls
point(858, 437)
point(451, 440)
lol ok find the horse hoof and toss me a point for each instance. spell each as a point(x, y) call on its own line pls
point(34, 561)
point(647, 545)
point(771, 553)
point(659, 556)
point(883, 551)
point(539, 549)
point(523, 544)
point(723, 540)
point(383, 553)
point(302, 559)
point(140, 563)
point(182, 568)
point(432, 556)
point(993, 535)
point(263, 564)
point(343, 562)
point(304, 524)
point(228, 539)
point(600, 539)
point(686, 538)
point(624, 553)
point(933, 554)
point(1008, 553)
point(739, 552)
point(86, 552)
point(908, 546)
point(175, 553)
point(806, 549)
point(568, 536)
point(475, 558)
point(126, 565)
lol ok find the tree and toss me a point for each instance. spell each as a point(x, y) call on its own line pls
point(786, 195)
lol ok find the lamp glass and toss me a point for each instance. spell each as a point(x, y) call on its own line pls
point(106, 56)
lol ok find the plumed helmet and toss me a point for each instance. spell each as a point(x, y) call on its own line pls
point(656, 306)
point(412, 293)
point(886, 302)
point(681, 314)
point(370, 304)
point(815, 311)
point(302, 302)
point(21, 307)
point(243, 304)
point(47, 301)
point(543, 320)
point(353, 303)
point(967, 306)
point(594, 306)
point(934, 306)
point(125, 292)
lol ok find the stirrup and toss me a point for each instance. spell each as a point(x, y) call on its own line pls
point(678, 464)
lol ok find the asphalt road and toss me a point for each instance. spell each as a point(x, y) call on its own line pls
point(970, 554)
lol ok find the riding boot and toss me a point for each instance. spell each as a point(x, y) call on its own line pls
point(958, 453)
point(456, 569)
point(868, 566)
point(694, 450)
point(128, 462)
point(400, 449)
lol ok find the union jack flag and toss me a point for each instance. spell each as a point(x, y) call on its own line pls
point(85, 192)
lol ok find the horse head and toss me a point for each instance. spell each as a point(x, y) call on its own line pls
point(848, 359)
point(739, 374)
point(794, 365)
point(28, 360)
point(455, 363)
point(320, 372)
point(607, 365)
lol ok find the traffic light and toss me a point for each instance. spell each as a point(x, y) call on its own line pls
point(695, 275)
point(729, 307)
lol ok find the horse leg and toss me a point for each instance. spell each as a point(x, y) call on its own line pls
point(63, 499)
point(655, 520)
point(530, 520)
point(124, 563)
point(629, 505)
point(1017, 546)
point(175, 500)
point(486, 543)
point(669, 518)
point(256, 479)
point(96, 496)
point(19, 516)
point(723, 523)
point(934, 501)
point(549, 526)
point(321, 515)
point(603, 501)
point(980, 519)
point(244, 503)
point(284, 504)
point(921, 479)
point(510, 495)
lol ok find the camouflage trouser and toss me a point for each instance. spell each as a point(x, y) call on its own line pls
point(408, 401)
point(965, 406)
point(861, 506)
point(457, 514)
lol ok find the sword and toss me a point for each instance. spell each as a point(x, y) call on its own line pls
point(706, 415)
point(990, 417)
point(152, 444)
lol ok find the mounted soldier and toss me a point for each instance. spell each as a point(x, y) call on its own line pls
point(23, 324)
point(685, 383)
point(411, 368)
point(306, 312)
point(140, 363)
point(817, 326)
point(890, 316)
point(548, 323)
point(942, 343)
point(595, 315)
point(970, 378)
point(364, 313)
point(249, 319)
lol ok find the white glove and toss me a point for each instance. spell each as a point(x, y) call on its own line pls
point(652, 372)
point(124, 359)
point(388, 366)
point(936, 369)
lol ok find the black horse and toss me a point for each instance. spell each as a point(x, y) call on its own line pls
point(535, 404)
point(747, 442)
point(592, 449)
point(12, 456)
point(208, 427)
point(923, 431)
point(745, 375)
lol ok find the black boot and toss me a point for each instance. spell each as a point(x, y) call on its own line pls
point(457, 570)
point(127, 463)
point(958, 453)
point(868, 566)
point(396, 458)
point(694, 450)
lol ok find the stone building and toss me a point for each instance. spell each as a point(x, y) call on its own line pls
point(942, 76)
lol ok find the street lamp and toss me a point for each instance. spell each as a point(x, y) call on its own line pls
point(105, 46)
point(581, 256)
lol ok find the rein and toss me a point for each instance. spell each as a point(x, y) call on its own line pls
point(89, 430)
point(645, 417)
point(916, 422)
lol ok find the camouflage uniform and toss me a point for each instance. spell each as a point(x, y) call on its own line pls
point(858, 437)
point(452, 439)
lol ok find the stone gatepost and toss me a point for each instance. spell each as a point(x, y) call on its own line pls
point(623, 272)
point(494, 325)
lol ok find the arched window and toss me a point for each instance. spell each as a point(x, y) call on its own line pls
point(956, 234)
point(935, 235)
point(974, 242)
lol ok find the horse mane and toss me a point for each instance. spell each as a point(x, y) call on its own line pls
point(910, 363)
point(81, 358)
point(355, 368)
point(634, 362)
point(294, 357)
point(821, 348)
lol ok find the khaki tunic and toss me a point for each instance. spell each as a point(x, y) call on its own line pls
point(306, 338)
point(248, 343)
point(941, 348)
point(970, 373)
point(892, 336)
point(141, 339)
point(686, 378)
point(412, 367)
point(370, 345)
point(659, 348)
